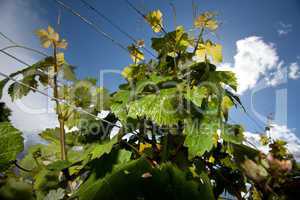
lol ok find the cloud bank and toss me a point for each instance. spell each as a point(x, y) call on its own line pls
point(256, 59)
point(19, 19)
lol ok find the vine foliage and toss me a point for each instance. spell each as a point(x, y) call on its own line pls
point(174, 142)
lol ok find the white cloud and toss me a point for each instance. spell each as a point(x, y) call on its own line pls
point(254, 59)
point(294, 72)
point(19, 19)
point(277, 132)
point(284, 29)
point(277, 76)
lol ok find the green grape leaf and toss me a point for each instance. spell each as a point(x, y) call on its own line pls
point(29, 74)
point(11, 144)
point(163, 108)
point(120, 111)
point(226, 77)
point(101, 99)
point(166, 182)
point(197, 94)
point(153, 80)
point(81, 93)
point(17, 90)
point(50, 135)
point(97, 150)
point(119, 102)
point(44, 181)
point(199, 136)
point(134, 72)
point(2, 85)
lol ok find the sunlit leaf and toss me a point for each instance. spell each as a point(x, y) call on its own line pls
point(208, 49)
point(226, 77)
point(49, 37)
point(154, 18)
point(197, 94)
point(206, 20)
point(134, 72)
point(199, 136)
point(18, 90)
point(60, 57)
point(163, 108)
point(226, 104)
point(11, 144)
point(172, 42)
point(135, 54)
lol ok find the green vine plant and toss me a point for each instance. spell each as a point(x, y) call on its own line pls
point(175, 141)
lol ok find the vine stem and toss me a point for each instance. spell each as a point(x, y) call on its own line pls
point(199, 39)
point(63, 151)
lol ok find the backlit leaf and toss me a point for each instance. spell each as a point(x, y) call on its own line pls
point(154, 18)
point(206, 20)
point(135, 54)
point(11, 144)
point(163, 108)
point(199, 136)
point(208, 49)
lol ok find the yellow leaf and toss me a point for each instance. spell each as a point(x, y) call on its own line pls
point(62, 44)
point(50, 29)
point(200, 21)
point(55, 37)
point(60, 58)
point(212, 25)
point(206, 20)
point(154, 18)
point(216, 53)
point(210, 49)
point(201, 51)
point(46, 43)
point(135, 54)
point(41, 33)
point(127, 73)
point(49, 36)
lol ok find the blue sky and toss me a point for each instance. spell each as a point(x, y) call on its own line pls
point(270, 26)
